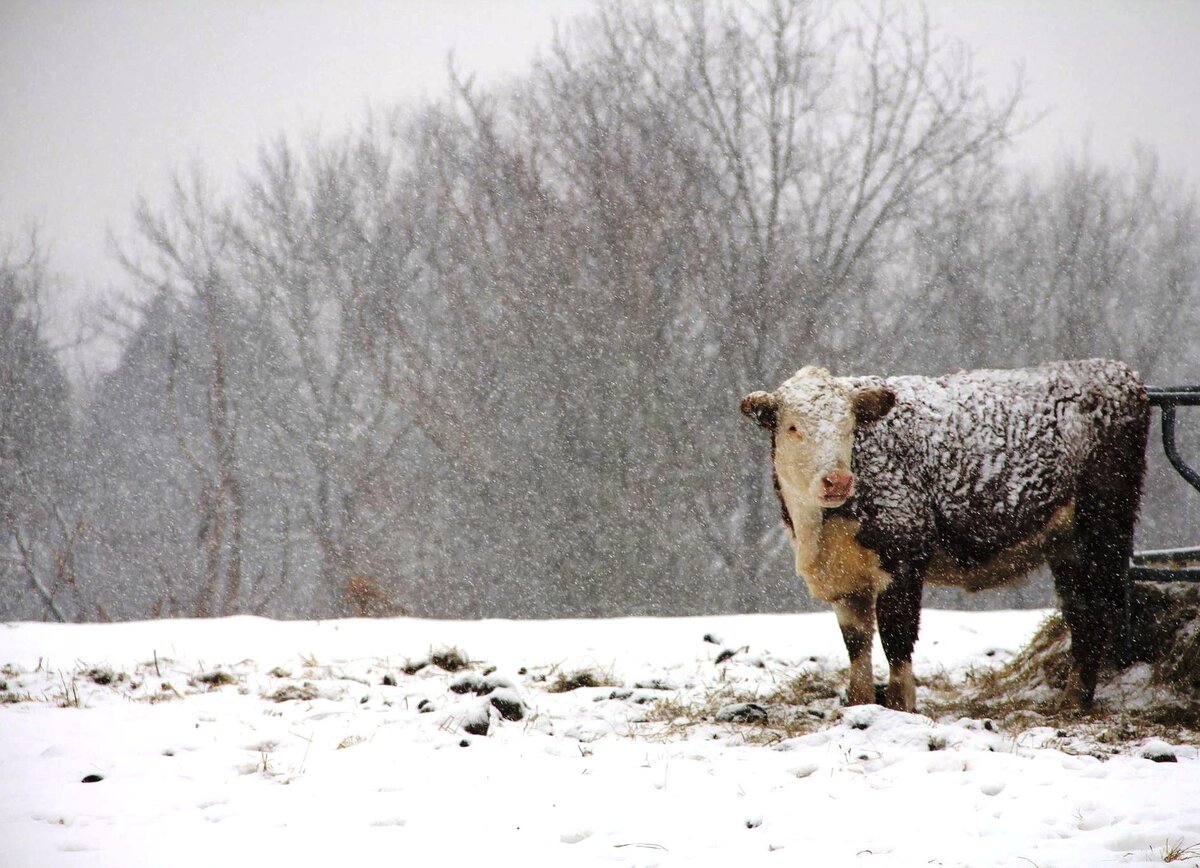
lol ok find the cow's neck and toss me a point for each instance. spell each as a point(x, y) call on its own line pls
point(806, 528)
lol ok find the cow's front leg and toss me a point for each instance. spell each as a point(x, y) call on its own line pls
point(856, 617)
point(899, 611)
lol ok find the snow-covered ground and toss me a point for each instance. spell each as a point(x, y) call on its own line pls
point(347, 768)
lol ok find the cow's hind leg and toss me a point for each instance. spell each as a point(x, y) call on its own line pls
point(856, 617)
point(1107, 513)
point(899, 612)
point(1093, 583)
point(1070, 581)
point(1092, 586)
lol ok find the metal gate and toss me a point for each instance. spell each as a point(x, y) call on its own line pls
point(1182, 564)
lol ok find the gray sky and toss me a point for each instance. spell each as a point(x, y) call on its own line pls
point(104, 99)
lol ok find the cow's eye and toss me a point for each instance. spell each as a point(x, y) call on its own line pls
point(793, 431)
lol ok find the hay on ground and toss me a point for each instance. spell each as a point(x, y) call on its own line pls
point(1160, 687)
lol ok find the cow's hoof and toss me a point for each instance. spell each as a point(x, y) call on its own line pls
point(1075, 695)
point(877, 696)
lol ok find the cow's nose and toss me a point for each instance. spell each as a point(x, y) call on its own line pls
point(837, 484)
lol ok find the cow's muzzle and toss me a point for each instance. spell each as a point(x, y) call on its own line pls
point(836, 488)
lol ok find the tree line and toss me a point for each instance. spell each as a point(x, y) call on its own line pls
point(482, 357)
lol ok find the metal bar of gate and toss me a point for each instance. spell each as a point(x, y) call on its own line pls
point(1167, 398)
point(1170, 564)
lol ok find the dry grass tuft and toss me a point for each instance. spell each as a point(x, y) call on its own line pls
point(412, 667)
point(451, 659)
point(305, 692)
point(1177, 852)
point(1043, 662)
point(807, 687)
point(564, 682)
point(216, 678)
point(103, 676)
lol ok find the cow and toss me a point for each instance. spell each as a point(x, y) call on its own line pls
point(970, 480)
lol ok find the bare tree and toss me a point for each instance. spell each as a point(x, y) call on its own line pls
point(187, 259)
point(817, 138)
point(38, 529)
point(326, 247)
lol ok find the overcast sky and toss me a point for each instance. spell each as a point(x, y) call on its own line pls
point(101, 100)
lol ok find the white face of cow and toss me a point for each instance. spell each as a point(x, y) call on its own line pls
point(812, 417)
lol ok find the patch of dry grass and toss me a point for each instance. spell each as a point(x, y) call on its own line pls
point(798, 704)
point(1027, 691)
point(1024, 693)
point(564, 682)
point(305, 692)
point(1177, 851)
point(451, 659)
point(215, 678)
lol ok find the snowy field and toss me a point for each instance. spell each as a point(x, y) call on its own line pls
point(251, 742)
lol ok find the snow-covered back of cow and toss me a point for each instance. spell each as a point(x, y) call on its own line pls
point(975, 461)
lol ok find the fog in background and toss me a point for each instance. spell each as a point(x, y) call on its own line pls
point(386, 332)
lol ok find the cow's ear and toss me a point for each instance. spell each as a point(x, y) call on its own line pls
point(762, 407)
point(872, 403)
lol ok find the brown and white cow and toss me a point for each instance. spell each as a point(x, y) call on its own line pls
point(970, 480)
